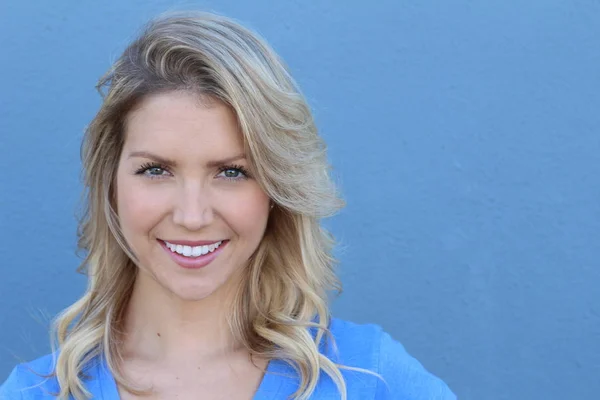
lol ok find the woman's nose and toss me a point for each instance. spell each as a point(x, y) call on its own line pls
point(193, 207)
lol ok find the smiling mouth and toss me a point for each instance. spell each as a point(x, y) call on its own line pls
point(193, 251)
point(205, 256)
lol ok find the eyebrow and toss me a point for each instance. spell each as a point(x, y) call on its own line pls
point(170, 163)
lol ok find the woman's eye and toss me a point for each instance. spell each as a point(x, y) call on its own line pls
point(155, 171)
point(152, 171)
point(232, 173)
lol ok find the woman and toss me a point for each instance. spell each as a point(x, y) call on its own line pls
point(208, 268)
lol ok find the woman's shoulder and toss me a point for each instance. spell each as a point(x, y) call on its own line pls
point(369, 347)
point(31, 380)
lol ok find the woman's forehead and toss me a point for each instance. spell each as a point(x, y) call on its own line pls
point(174, 118)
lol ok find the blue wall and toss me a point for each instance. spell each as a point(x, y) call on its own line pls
point(464, 135)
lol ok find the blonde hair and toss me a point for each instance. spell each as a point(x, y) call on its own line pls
point(291, 272)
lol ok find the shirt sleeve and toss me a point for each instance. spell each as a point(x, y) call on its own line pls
point(404, 378)
point(12, 387)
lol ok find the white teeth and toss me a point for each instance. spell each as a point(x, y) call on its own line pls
point(195, 251)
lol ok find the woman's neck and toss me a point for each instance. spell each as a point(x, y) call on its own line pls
point(160, 327)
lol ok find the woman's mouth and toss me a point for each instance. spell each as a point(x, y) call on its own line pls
point(191, 257)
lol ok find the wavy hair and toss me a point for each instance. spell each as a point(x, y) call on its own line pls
point(281, 312)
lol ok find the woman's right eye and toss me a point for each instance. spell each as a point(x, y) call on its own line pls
point(152, 170)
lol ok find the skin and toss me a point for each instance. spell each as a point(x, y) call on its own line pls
point(177, 339)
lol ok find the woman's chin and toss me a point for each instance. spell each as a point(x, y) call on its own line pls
point(192, 293)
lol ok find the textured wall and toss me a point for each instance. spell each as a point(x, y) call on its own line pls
point(464, 135)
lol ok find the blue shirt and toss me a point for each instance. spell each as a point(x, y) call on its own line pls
point(363, 346)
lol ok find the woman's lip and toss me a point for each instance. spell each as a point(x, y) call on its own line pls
point(193, 262)
point(193, 243)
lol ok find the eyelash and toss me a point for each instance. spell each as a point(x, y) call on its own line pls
point(145, 167)
point(236, 167)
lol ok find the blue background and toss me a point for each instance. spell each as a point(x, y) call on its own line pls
point(464, 136)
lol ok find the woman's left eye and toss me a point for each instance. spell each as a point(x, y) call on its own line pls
point(233, 173)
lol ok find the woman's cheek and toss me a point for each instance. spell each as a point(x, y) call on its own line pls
point(137, 203)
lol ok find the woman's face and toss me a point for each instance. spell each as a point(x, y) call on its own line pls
point(188, 207)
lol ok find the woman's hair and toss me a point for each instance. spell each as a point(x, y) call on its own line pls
point(282, 310)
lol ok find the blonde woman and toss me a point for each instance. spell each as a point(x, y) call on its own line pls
point(208, 269)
